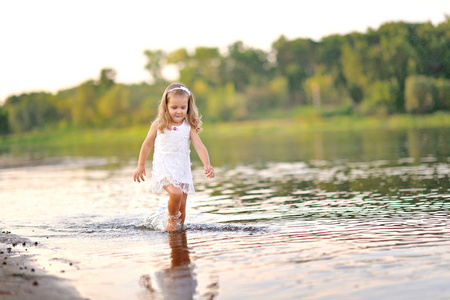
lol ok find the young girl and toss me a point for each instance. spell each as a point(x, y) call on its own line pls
point(178, 124)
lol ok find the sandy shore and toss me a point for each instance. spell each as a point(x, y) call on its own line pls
point(21, 279)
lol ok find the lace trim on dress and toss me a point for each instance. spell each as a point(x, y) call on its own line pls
point(184, 187)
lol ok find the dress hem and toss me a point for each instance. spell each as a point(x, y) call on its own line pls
point(157, 187)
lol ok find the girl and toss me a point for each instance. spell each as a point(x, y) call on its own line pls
point(178, 124)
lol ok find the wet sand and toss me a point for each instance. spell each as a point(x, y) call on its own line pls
point(20, 278)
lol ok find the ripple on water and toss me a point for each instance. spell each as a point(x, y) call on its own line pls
point(347, 190)
point(313, 230)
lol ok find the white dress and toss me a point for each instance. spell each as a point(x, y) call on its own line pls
point(171, 159)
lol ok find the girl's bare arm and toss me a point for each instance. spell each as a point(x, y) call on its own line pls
point(147, 146)
point(202, 153)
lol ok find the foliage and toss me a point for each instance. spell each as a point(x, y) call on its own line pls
point(155, 63)
point(426, 94)
point(419, 94)
point(28, 111)
point(378, 100)
point(399, 67)
point(442, 100)
point(4, 124)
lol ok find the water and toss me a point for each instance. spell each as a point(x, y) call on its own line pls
point(342, 215)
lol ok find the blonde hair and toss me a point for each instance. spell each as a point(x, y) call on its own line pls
point(192, 116)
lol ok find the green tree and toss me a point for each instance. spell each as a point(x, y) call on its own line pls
point(180, 58)
point(28, 111)
point(378, 99)
point(204, 64)
point(442, 101)
point(321, 88)
point(431, 44)
point(83, 108)
point(419, 94)
point(245, 66)
point(359, 65)
point(114, 106)
point(107, 78)
point(64, 105)
point(398, 57)
point(143, 102)
point(296, 60)
point(156, 61)
point(224, 104)
point(330, 53)
point(4, 122)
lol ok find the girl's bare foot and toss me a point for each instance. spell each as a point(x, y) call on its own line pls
point(172, 222)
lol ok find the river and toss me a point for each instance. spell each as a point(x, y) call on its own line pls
point(318, 215)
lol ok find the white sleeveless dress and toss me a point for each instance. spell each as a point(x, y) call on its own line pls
point(171, 159)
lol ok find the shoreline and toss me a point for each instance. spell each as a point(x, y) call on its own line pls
point(21, 278)
point(62, 136)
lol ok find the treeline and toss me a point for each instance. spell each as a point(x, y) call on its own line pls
point(398, 68)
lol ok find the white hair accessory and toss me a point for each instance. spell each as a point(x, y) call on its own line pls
point(180, 88)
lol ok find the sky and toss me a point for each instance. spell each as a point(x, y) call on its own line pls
point(48, 45)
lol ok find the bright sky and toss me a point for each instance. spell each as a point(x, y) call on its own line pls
point(47, 45)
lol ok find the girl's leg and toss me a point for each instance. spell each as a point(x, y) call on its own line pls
point(174, 206)
point(183, 208)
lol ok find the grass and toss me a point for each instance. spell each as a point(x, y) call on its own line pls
point(305, 121)
point(65, 136)
point(314, 122)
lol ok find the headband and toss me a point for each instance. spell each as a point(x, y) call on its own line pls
point(180, 88)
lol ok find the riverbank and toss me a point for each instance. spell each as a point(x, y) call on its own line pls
point(21, 278)
point(307, 122)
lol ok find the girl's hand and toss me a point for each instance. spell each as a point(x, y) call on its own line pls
point(139, 174)
point(209, 171)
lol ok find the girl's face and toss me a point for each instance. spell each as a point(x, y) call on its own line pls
point(177, 105)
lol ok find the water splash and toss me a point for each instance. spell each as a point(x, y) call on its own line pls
point(157, 221)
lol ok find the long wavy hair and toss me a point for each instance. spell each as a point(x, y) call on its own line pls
point(192, 116)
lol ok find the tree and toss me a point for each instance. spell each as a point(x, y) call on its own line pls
point(207, 63)
point(29, 111)
point(245, 66)
point(224, 104)
point(419, 94)
point(431, 44)
point(397, 56)
point(330, 53)
point(155, 62)
point(379, 98)
point(107, 78)
point(84, 104)
point(113, 106)
point(296, 61)
point(442, 101)
point(321, 89)
point(4, 122)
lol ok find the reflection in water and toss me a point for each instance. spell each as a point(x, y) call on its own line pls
point(352, 145)
point(178, 281)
